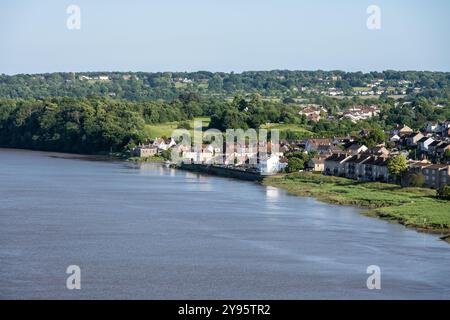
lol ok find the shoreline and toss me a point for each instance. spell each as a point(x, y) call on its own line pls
point(68, 155)
point(385, 210)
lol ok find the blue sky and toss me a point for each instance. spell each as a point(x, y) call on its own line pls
point(226, 35)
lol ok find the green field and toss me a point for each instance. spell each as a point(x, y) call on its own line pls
point(413, 207)
point(286, 126)
point(361, 89)
point(165, 129)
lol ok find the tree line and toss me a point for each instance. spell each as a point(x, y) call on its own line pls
point(97, 124)
point(139, 86)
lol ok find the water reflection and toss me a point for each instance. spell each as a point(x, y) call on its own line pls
point(158, 233)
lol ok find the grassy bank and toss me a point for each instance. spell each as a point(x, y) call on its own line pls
point(152, 159)
point(413, 207)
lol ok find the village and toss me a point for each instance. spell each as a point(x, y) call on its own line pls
point(427, 152)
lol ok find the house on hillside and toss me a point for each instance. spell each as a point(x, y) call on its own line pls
point(395, 138)
point(379, 150)
point(441, 148)
point(356, 148)
point(401, 130)
point(163, 144)
point(317, 164)
point(313, 144)
point(413, 138)
point(432, 127)
point(423, 143)
point(312, 112)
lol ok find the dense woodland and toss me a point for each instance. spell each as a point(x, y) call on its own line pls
point(59, 112)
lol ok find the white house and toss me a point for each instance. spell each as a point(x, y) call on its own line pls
point(394, 138)
point(424, 143)
point(356, 149)
point(162, 144)
point(432, 127)
point(269, 165)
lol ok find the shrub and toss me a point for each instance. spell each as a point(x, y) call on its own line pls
point(415, 180)
point(184, 125)
point(444, 192)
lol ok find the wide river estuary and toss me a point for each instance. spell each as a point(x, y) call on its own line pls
point(150, 232)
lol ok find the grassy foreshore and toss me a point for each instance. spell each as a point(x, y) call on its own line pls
point(152, 159)
point(413, 207)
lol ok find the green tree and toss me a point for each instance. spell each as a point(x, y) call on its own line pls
point(295, 165)
point(375, 137)
point(447, 154)
point(397, 166)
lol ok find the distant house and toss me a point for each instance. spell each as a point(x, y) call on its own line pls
point(357, 113)
point(375, 169)
point(328, 149)
point(269, 164)
point(433, 146)
point(284, 148)
point(424, 143)
point(313, 144)
point(432, 127)
point(359, 167)
point(333, 165)
point(378, 151)
point(413, 138)
point(84, 78)
point(445, 129)
point(354, 168)
point(343, 140)
point(312, 112)
point(144, 151)
point(402, 130)
point(317, 163)
point(356, 148)
point(436, 175)
point(395, 138)
point(438, 128)
point(441, 148)
point(163, 144)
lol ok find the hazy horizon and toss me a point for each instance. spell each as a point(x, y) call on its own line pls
point(175, 36)
point(228, 72)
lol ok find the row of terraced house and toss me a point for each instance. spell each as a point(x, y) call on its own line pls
point(358, 167)
point(366, 167)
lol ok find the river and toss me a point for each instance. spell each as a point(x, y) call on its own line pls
point(150, 232)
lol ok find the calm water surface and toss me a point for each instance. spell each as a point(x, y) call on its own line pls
point(149, 232)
